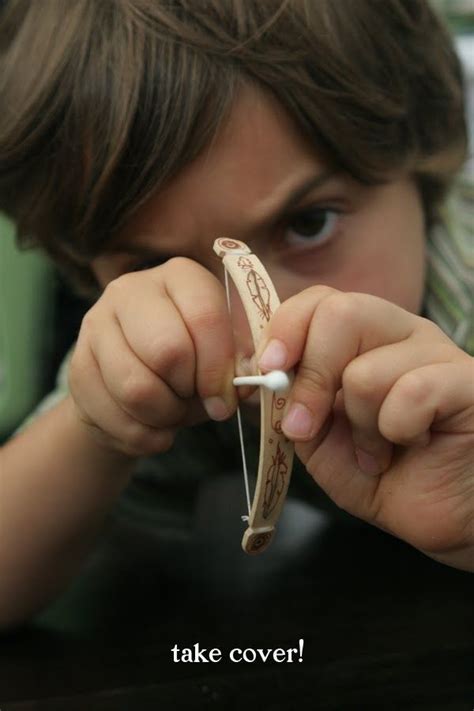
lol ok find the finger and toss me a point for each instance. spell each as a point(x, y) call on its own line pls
point(328, 330)
point(131, 384)
point(367, 380)
point(201, 301)
point(330, 460)
point(439, 396)
point(154, 328)
point(280, 350)
point(101, 412)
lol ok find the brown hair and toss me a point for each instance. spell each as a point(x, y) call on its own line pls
point(103, 102)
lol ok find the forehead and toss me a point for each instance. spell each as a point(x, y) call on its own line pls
point(254, 160)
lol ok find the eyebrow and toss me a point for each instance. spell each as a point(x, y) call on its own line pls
point(274, 215)
point(300, 191)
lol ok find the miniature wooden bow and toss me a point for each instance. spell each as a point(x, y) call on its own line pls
point(260, 299)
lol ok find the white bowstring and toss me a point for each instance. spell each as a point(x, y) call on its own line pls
point(239, 419)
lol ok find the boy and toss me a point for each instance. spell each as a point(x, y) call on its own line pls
point(322, 134)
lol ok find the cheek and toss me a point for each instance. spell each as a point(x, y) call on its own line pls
point(393, 273)
point(384, 270)
point(393, 264)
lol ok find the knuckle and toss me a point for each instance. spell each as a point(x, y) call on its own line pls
point(411, 394)
point(135, 440)
point(319, 291)
point(413, 389)
point(141, 440)
point(391, 427)
point(179, 266)
point(134, 390)
point(341, 307)
point(358, 380)
point(118, 285)
point(179, 263)
point(170, 355)
point(431, 329)
point(88, 324)
point(88, 319)
point(312, 294)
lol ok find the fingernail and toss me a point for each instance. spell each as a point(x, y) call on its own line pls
point(298, 422)
point(274, 356)
point(216, 408)
point(367, 463)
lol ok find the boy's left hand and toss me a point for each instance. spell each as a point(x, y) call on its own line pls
point(387, 400)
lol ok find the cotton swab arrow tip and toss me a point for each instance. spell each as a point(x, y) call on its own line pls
point(275, 380)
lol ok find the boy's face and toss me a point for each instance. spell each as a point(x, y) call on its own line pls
point(261, 182)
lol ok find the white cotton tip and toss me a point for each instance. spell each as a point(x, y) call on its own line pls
point(277, 380)
point(274, 380)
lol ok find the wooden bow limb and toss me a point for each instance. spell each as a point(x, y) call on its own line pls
point(260, 300)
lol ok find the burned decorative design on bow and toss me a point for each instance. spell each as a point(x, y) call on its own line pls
point(257, 288)
point(275, 481)
point(278, 405)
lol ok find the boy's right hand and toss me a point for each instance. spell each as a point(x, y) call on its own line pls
point(155, 346)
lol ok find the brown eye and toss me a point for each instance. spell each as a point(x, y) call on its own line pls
point(312, 227)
